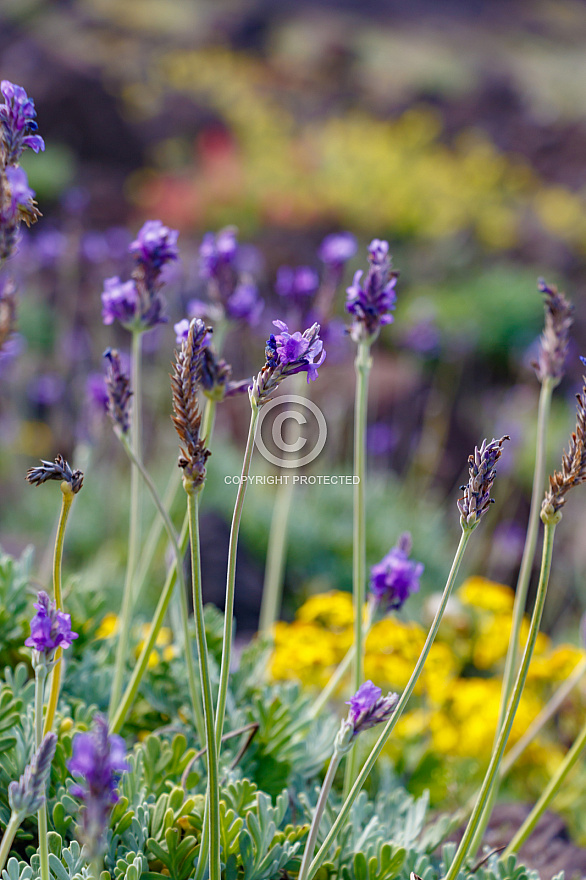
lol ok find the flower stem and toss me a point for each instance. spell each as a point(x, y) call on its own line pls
point(159, 616)
point(231, 581)
point(511, 662)
point(66, 502)
point(134, 529)
point(206, 688)
point(9, 835)
point(40, 676)
point(389, 726)
point(362, 366)
point(501, 743)
point(172, 535)
point(548, 794)
point(317, 816)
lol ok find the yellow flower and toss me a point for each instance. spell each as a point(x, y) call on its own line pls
point(164, 636)
point(556, 666)
point(108, 626)
point(489, 595)
point(333, 609)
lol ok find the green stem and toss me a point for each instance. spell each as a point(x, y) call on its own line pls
point(317, 816)
point(171, 534)
point(231, 581)
point(341, 669)
point(67, 501)
point(389, 726)
point(511, 662)
point(362, 366)
point(276, 556)
point(548, 795)
point(206, 689)
point(493, 768)
point(159, 616)
point(133, 533)
point(40, 676)
point(9, 835)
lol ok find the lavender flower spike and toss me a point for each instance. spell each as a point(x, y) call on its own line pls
point(187, 416)
point(371, 301)
point(554, 339)
point(50, 628)
point(17, 121)
point(58, 470)
point(476, 499)
point(287, 354)
point(396, 577)
point(573, 470)
point(367, 708)
point(28, 794)
point(98, 759)
point(119, 393)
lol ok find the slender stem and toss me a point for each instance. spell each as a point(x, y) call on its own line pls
point(67, 501)
point(493, 767)
point(40, 676)
point(231, 581)
point(548, 795)
point(272, 591)
point(96, 867)
point(206, 689)
point(317, 816)
point(159, 616)
point(341, 669)
point(362, 366)
point(172, 535)
point(133, 532)
point(9, 835)
point(544, 716)
point(389, 726)
point(511, 662)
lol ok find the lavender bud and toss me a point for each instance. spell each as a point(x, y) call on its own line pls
point(187, 416)
point(50, 628)
point(287, 354)
point(476, 499)
point(28, 794)
point(367, 708)
point(119, 393)
point(554, 339)
point(371, 301)
point(57, 470)
point(573, 470)
point(396, 577)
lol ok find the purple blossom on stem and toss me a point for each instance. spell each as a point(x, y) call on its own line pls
point(336, 249)
point(287, 354)
point(119, 301)
point(396, 577)
point(99, 759)
point(476, 499)
point(27, 795)
point(50, 628)
point(154, 246)
point(218, 252)
point(368, 707)
point(17, 118)
point(20, 192)
point(371, 300)
point(296, 284)
point(245, 304)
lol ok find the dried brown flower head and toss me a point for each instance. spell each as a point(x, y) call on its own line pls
point(185, 383)
point(573, 470)
point(57, 470)
point(554, 339)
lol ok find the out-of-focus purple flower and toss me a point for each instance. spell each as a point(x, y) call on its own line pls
point(508, 541)
point(245, 304)
point(155, 245)
point(98, 760)
point(396, 576)
point(296, 284)
point(17, 117)
point(299, 351)
point(97, 391)
point(119, 392)
point(336, 249)
point(50, 245)
point(181, 330)
point(10, 350)
point(46, 390)
point(197, 308)
point(94, 247)
point(75, 200)
point(217, 252)
point(119, 301)
point(20, 192)
point(380, 439)
point(371, 300)
point(368, 707)
point(50, 628)
point(423, 337)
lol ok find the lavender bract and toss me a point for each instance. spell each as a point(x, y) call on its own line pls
point(367, 708)
point(573, 470)
point(99, 759)
point(59, 470)
point(17, 119)
point(396, 577)
point(287, 354)
point(50, 628)
point(187, 416)
point(371, 301)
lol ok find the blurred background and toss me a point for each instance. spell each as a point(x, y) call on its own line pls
point(456, 131)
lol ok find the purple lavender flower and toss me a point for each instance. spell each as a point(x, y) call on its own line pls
point(50, 628)
point(27, 795)
point(287, 354)
point(217, 252)
point(476, 499)
point(119, 301)
point(336, 249)
point(154, 246)
point(368, 707)
point(245, 304)
point(396, 577)
point(97, 392)
point(99, 759)
point(181, 330)
point(213, 373)
point(20, 192)
point(296, 284)
point(371, 301)
point(17, 117)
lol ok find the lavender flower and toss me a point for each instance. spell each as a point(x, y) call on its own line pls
point(367, 708)
point(245, 304)
point(27, 795)
point(119, 393)
point(214, 373)
point(50, 628)
point(187, 415)
point(336, 249)
point(218, 253)
point(119, 301)
point(296, 284)
point(154, 246)
point(98, 759)
point(57, 470)
point(371, 301)
point(287, 354)
point(573, 470)
point(7, 310)
point(16, 204)
point(396, 577)
point(476, 499)
point(554, 339)
point(17, 119)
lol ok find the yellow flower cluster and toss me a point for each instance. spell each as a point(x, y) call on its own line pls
point(108, 628)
